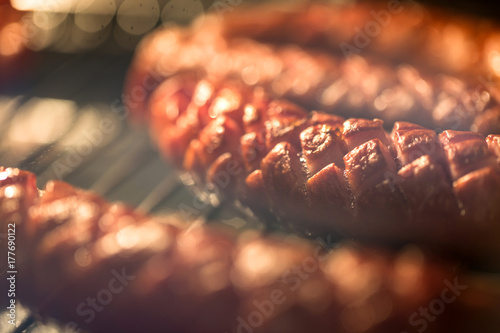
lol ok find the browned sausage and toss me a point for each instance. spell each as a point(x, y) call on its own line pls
point(459, 93)
point(320, 174)
point(104, 267)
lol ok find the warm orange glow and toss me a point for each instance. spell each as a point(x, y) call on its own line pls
point(127, 237)
point(257, 265)
point(358, 317)
point(11, 39)
point(227, 102)
point(203, 92)
point(83, 257)
point(11, 191)
point(494, 60)
point(408, 272)
point(355, 279)
point(250, 75)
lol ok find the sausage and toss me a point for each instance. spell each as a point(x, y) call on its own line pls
point(429, 37)
point(320, 174)
point(104, 267)
point(254, 50)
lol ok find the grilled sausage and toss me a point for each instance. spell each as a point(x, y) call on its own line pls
point(321, 174)
point(255, 50)
point(104, 267)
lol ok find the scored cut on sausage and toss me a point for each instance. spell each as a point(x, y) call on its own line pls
point(321, 174)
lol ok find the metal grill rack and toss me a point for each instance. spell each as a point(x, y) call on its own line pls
point(67, 123)
point(70, 125)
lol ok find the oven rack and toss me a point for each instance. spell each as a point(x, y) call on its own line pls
point(53, 127)
point(49, 124)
